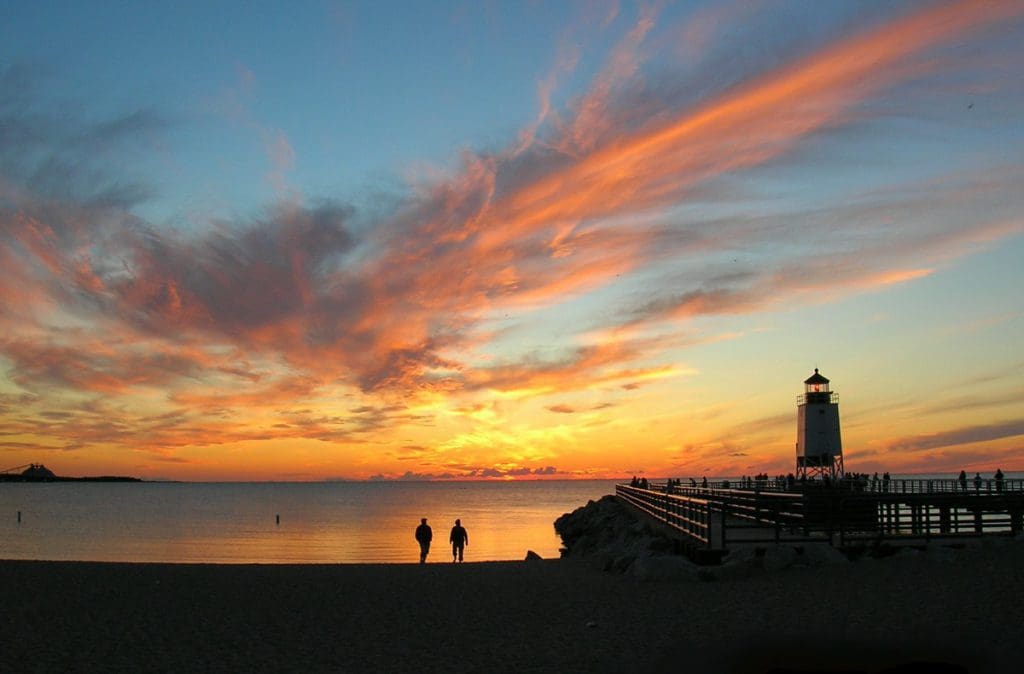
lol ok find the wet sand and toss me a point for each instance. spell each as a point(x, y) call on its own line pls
point(549, 616)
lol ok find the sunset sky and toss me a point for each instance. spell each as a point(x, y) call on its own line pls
point(436, 240)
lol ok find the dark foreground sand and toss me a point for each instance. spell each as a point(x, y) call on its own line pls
point(551, 616)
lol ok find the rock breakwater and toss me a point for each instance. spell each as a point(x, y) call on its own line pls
point(614, 538)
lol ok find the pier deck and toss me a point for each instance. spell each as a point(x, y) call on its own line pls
point(709, 521)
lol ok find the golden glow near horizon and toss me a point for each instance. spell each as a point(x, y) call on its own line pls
point(638, 282)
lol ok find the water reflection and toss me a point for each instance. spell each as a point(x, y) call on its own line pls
point(319, 523)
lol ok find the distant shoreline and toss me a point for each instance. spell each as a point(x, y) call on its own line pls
point(101, 478)
point(8, 477)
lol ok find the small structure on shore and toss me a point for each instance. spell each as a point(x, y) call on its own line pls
point(37, 471)
point(819, 445)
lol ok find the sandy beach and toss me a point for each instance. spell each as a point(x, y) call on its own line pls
point(549, 616)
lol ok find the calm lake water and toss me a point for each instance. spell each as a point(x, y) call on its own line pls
point(347, 522)
point(319, 522)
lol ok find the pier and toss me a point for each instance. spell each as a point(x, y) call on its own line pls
point(820, 503)
point(709, 521)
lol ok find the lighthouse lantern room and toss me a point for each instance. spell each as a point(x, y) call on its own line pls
point(819, 447)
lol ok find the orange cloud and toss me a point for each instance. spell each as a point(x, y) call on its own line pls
point(579, 209)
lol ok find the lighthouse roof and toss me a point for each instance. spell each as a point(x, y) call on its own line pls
point(816, 378)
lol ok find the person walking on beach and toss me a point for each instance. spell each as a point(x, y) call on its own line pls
point(459, 540)
point(963, 481)
point(424, 534)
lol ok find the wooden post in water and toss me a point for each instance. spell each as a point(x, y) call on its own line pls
point(944, 519)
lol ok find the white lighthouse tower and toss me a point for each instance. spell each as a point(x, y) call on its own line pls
point(819, 447)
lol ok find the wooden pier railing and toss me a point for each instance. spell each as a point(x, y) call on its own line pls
point(686, 514)
point(909, 511)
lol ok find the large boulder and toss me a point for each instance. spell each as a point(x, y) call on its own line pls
point(662, 568)
point(595, 520)
point(778, 557)
point(822, 554)
point(746, 554)
point(940, 553)
point(908, 552)
point(740, 562)
point(610, 534)
point(621, 563)
point(644, 544)
point(996, 541)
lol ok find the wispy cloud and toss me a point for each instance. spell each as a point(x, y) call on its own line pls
point(957, 436)
point(308, 299)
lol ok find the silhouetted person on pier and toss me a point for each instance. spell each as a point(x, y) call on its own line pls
point(999, 480)
point(885, 481)
point(424, 534)
point(977, 482)
point(704, 482)
point(459, 540)
point(963, 481)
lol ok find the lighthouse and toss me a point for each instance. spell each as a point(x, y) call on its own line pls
point(819, 447)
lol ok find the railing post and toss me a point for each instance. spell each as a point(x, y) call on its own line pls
point(842, 524)
point(778, 532)
point(831, 519)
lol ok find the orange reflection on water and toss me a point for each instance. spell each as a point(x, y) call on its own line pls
point(277, 523)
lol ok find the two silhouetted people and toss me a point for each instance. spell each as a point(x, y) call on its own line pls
point(459, 540)
point(424, 534)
